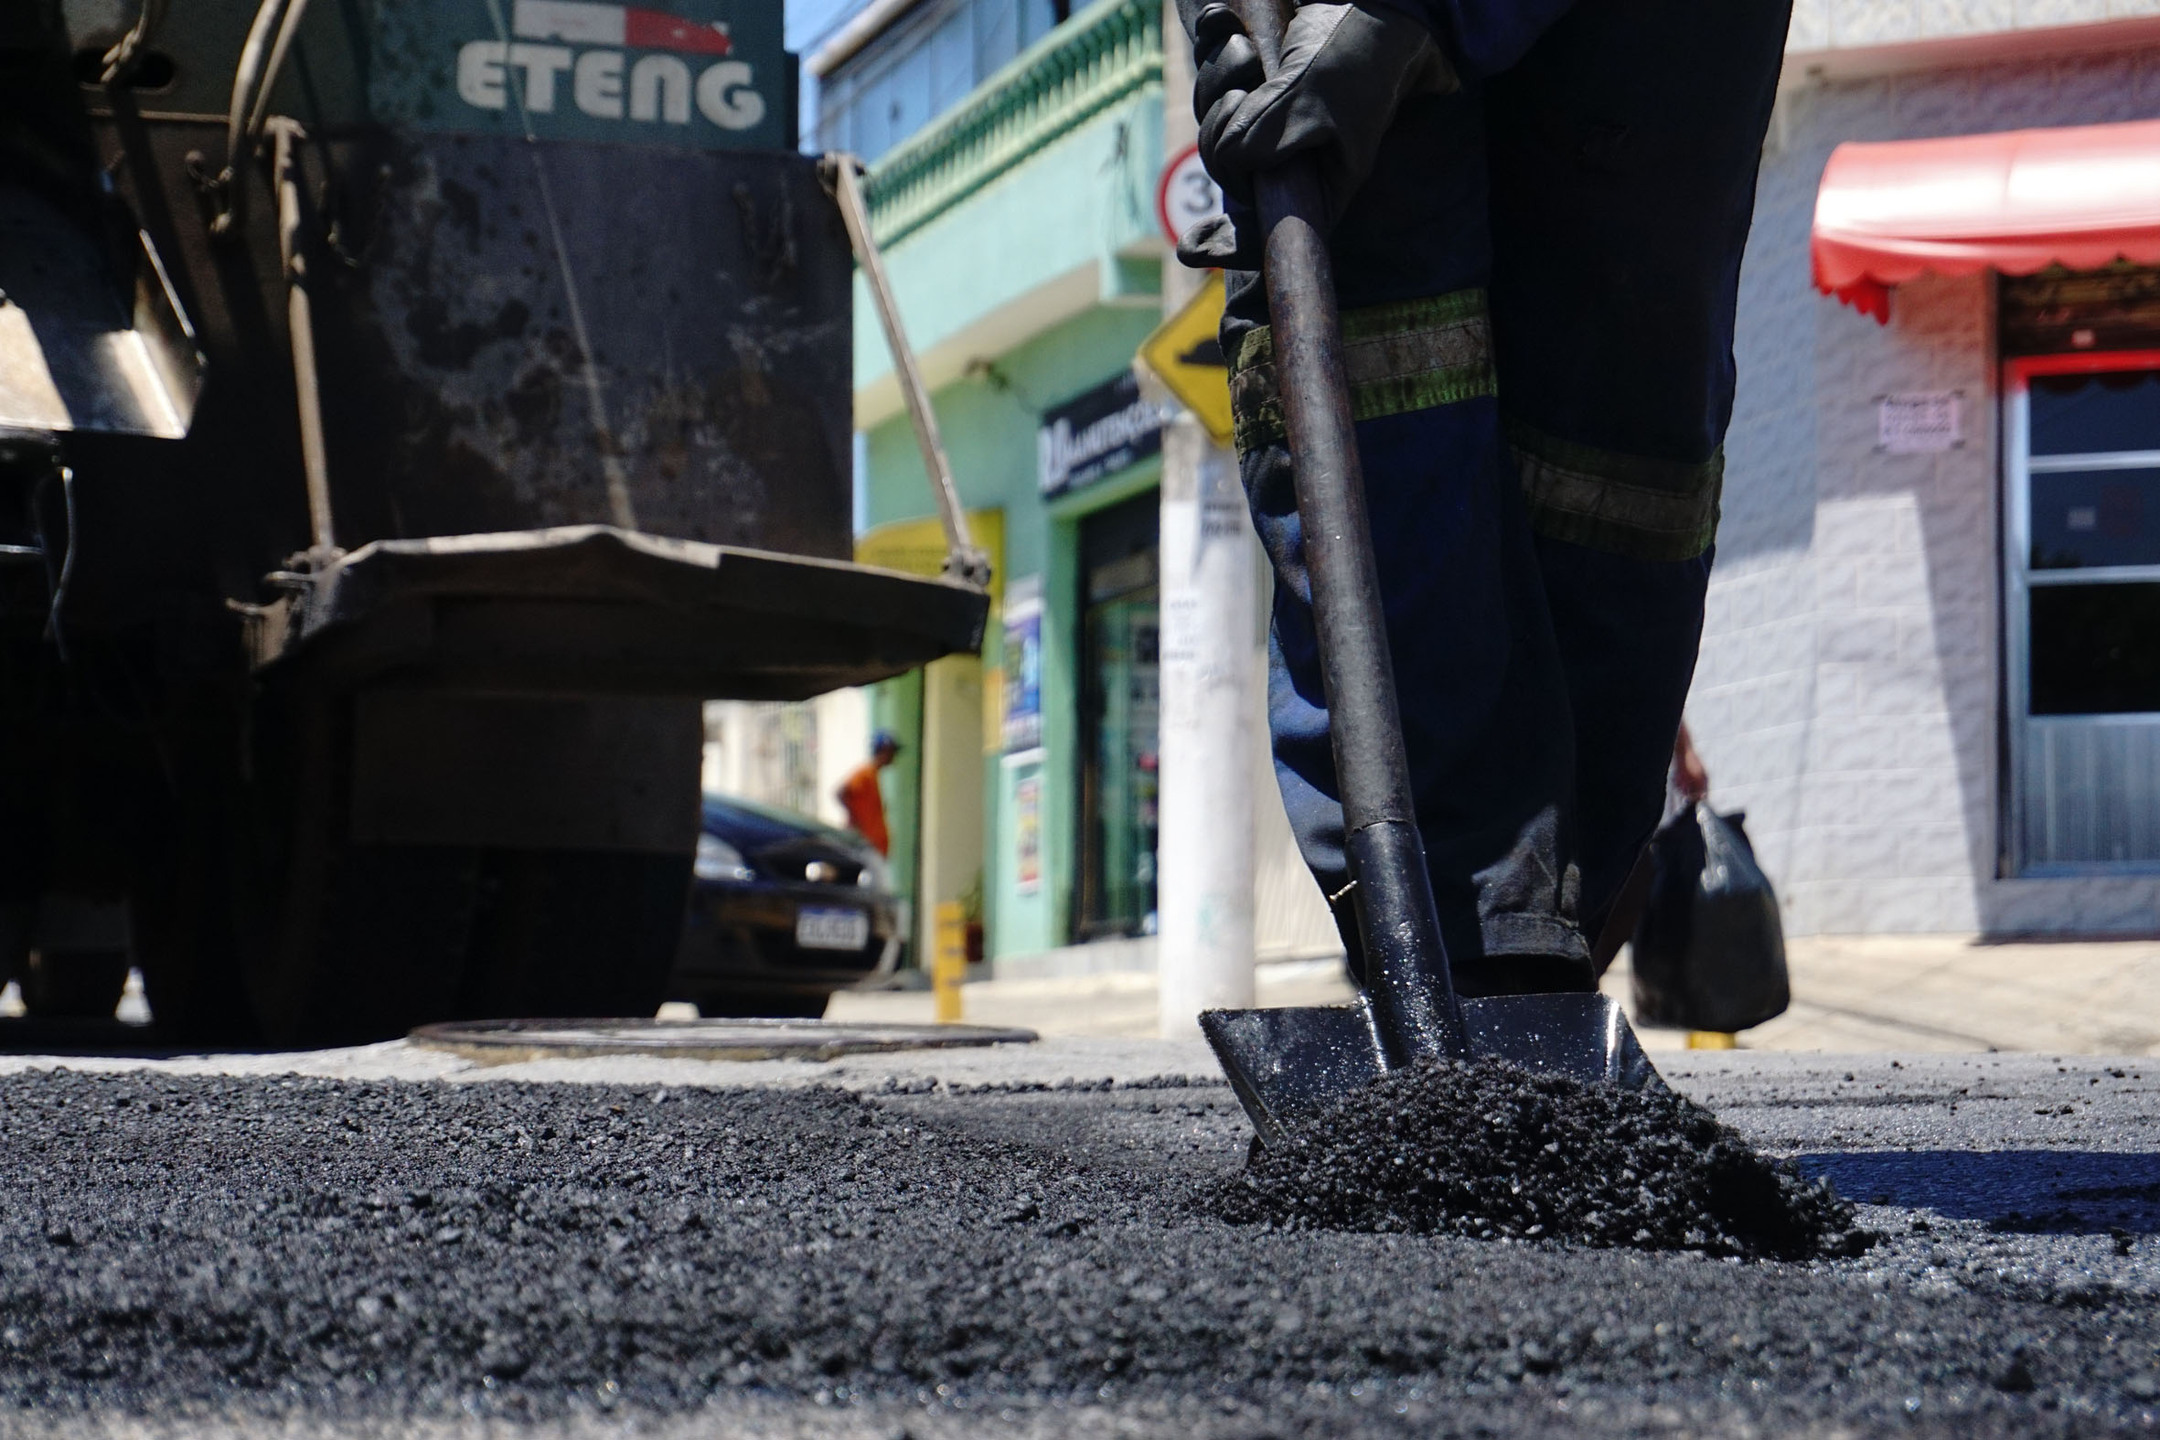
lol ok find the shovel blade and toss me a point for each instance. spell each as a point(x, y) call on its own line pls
point(1293, 1061)
point(1584, 1037)
point(1286, 1064)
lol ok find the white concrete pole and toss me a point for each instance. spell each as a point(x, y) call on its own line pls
point(1204, 843)
point(1210, 595)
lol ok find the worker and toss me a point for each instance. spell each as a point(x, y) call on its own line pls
point(1537, 213)
point(862, 797)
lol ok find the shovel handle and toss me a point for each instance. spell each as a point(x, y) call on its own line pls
point(1416, 1014)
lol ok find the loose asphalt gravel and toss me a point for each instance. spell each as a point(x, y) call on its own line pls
point(1490, 1151)
point(297, 1256)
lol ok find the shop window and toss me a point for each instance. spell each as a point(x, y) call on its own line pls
point(2082, 571)
point(1120, 694)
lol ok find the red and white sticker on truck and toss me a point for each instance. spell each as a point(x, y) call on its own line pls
point(621, 25)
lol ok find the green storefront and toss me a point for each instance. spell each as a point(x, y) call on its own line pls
point(1021, 236)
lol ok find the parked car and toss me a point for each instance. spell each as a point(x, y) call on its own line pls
point(783, 912)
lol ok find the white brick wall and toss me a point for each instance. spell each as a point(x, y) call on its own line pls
point(1819, 25)
point(1848, 689)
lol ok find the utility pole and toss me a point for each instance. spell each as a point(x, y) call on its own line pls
point(1210, 600)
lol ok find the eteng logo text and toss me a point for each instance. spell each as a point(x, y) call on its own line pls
point(568, 52)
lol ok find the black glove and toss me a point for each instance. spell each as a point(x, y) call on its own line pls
point(1345, 71)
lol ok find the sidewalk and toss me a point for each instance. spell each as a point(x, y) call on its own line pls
point(1854, 993)
point(1850, 994)
point(1119, 1004)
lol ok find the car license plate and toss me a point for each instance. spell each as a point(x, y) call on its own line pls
point(831, 929)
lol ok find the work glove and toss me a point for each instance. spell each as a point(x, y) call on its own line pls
point(1346, 69)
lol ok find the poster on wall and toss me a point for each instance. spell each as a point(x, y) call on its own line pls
point(1027, 833)
point(1023, 666)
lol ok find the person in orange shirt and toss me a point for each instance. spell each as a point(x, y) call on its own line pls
point(861, 797)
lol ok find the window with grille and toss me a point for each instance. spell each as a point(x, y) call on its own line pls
point(2082, 582)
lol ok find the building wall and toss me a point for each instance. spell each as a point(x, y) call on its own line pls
point(1070, 229)
point(1831, 25)
point(989, 421)
point(1848, 695)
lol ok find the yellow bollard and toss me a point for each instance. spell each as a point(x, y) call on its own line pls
point(1712, 1040)
point(948, 967)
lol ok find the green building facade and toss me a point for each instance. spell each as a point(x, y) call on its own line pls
point(1021, 236)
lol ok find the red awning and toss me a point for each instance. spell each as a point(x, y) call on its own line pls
point(2016, 202)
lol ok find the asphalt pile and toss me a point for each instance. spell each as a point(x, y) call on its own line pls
point(1491, 1151)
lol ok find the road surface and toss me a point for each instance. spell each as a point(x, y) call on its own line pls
point(1018, 1243)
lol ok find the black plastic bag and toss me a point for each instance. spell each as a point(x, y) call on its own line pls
point(1709, 948)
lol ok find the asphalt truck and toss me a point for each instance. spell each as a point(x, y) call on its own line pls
point(410, 411)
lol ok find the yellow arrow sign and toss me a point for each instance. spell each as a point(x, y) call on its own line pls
point(1184, 352)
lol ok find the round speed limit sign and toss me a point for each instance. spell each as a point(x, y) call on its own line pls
point(1186, 196)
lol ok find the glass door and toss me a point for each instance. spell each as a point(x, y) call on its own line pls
point(1120, 693)
point(2082, 579)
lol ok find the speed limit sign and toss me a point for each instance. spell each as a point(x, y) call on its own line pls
point(1186, 196)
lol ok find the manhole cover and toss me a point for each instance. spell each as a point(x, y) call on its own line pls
point(506, 1042)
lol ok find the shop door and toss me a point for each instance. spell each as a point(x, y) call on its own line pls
point(2082, 572)
point(1119, 696)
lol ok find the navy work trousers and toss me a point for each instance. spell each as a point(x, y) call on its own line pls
point(1598, 192)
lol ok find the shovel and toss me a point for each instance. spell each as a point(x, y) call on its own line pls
point(1287, 1064)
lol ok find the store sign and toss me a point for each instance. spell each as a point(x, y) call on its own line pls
point(1917, 424)
point(708, 73)
point(1096, 434)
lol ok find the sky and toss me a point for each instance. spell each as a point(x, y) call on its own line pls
point(809, 23)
